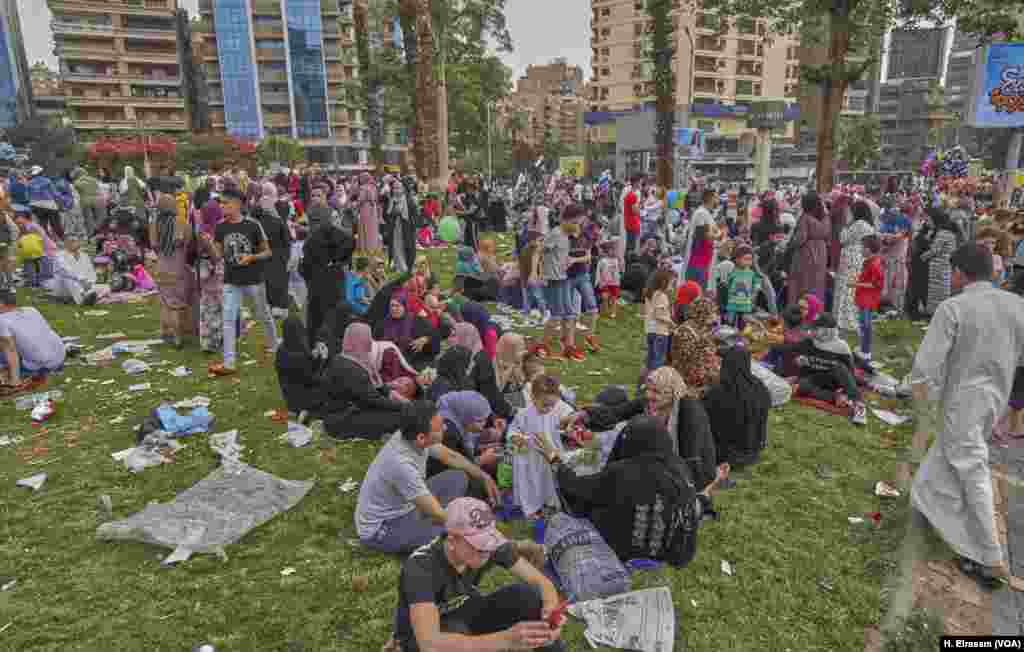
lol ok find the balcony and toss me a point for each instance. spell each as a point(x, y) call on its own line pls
point(275, 98)
point(707, 86)
point(149, 33)
point(277, 120)
point(750, 50)
point(749, 69)
point(89, 77)
point(215, 98)
point(70, 51)
point(273, 77)
point(267, 31)
point(329, 7)
point(270, 54)
point(167, 102)
point(150, 55)
point(332, 54)
point(167, 125)
point(61, 27)
point(83, 100)
point(264, 7)
point(705, 64)
point(709, 44)
point(105, 125)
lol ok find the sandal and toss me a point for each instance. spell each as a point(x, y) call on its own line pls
point(981, 574)
point(218, 369)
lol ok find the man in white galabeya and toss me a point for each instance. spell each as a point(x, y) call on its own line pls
point(974, 343)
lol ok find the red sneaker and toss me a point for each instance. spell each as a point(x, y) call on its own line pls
point(573, 353)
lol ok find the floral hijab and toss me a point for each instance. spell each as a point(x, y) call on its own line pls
point(694, 348)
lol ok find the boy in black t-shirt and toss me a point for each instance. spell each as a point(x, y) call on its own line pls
point(440, 606)
point(243, 245)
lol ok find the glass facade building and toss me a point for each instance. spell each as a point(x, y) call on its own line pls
point(15, 90)
point(307, 75)
point(235, 52)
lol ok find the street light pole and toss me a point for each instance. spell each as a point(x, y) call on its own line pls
point(490, 153)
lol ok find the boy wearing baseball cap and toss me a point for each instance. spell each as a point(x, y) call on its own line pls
point(441, 608)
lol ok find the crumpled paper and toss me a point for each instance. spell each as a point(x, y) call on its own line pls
point(298, 435)
point(218, 510)
point(35, 482)
point(642, 620)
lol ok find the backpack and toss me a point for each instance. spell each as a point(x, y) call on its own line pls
point(587, 567)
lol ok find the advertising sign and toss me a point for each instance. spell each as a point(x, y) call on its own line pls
point(571, 166)
point(998, 88)
point(767, 115)
point(690, 143)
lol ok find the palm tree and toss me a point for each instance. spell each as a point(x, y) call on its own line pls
point(664, 86)
point(371, 86)
point(428, 141)
point(516, 124)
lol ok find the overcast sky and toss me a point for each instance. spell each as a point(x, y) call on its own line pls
point(541, 30)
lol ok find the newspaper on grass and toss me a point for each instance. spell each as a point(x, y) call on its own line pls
point(644, 620)
point(218, 510)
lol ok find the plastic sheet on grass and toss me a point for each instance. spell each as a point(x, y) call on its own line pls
point(639, 620)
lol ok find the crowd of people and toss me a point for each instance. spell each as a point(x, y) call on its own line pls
point(373, 346)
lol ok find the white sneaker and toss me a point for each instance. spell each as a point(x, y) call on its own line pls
point(859, 414)
point(582, 328)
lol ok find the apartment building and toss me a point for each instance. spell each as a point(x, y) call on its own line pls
point(15, 89)
point(119, 65)
point(47, 92)
point(279, 67)
point(718, 63)
point(548, 98)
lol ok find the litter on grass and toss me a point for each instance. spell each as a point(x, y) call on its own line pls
point(181, 372)
point(726, 568)
point(885, 490)
point(890, 418)
point(642, 620)
point(134, 367)
point(348, 486)
point(112, 336)
point(298, 435)
point(96, 313)
point(11, 440)
point(194, 402)
point(141, 387)
point(35, 482)
point(287, 571)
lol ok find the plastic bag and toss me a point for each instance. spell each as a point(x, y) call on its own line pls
point(780, 390)
point(586, 565)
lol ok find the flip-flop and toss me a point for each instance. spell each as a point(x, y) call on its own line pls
point(981, 574)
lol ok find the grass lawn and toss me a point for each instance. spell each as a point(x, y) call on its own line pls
point(803, 580)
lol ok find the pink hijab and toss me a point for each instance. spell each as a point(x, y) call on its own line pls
point(357, 346)
point(268, 200)
point(467, 336)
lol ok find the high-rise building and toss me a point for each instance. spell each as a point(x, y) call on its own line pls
point(280, 67)
point(548, 96)
point(15, 88)
point(718, 63)
point(47, 92)
point(119, 65)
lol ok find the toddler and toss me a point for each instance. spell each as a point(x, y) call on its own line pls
point(535, 428)
point(742, 286)
point(868, 294)
point(658, 318)
point(609, 278)
point(529, 277)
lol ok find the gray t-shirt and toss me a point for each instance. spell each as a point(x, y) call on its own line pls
point(554, 263)
point(396, 477)
point(39, 347)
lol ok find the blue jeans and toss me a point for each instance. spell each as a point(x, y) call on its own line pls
point(657, 350)
point(233, 307)
point(533, 297)
point(558, 298)
point(866, 317)
point(588, 301)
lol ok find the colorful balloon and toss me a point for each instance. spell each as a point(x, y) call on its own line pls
point(450, 229)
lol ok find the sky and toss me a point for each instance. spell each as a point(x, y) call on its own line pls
point(541, 30)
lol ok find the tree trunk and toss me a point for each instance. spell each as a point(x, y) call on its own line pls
point(660, 13)
point(426, 145)
point(371, 87)
point(407, 16)
point(834, 90)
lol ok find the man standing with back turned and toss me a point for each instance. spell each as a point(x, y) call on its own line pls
point(974, 343)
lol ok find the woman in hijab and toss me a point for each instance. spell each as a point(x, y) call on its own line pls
point(646, 503)
point(810, 242)
point(917, 287)
point(475, 314)
point(940, 250)
point(465, 415)
point(174, 275)
point(896, 229)
point(694, 348)
point(275, 270)
point(452, 368)
point(298, 372)
point(414, 336)
point(134, 192)
point(357, 403)
point(481, 375)
point(211, 278)
point(737, 409)
point(850, 264)
point(508, 368)
point(667, 398)
point(391, 364)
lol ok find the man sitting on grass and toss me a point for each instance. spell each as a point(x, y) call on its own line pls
point(441, 608)
point(399, 510)
point(28, 346)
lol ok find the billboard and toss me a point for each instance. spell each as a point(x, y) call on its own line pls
point(690, 143)
point(571, 166)
point(767, 115)
point(997, 92)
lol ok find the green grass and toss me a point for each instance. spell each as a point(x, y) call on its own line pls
point(802, 581)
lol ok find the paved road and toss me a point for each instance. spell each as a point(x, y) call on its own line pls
point(1008, 606)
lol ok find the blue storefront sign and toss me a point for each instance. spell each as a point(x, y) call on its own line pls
point(998, 90)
